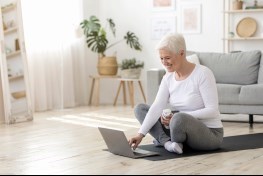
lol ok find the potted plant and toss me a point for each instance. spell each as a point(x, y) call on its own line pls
point(97, 41)
point(131, 68)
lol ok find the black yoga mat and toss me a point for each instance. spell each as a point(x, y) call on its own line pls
point(233, 143)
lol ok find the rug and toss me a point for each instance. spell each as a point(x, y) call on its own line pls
point(230, 144)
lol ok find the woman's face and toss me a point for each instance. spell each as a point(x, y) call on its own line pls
point(170, 60)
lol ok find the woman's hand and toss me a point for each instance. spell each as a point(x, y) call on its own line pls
point(166, 121)
point(134, 142)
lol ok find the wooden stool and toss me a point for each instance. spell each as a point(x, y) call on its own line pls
point(96, 86)
point(130, 83)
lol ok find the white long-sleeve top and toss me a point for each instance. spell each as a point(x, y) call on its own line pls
point(196, 95)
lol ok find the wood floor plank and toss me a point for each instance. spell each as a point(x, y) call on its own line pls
point(68, 142)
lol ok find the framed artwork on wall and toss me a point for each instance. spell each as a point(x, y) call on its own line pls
point(163, 5)
point(162, 26)
point(190, 18)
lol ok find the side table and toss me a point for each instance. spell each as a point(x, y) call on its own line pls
point(130, 84)
point(95, 87)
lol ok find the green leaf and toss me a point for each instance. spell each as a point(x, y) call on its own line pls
point(91, 25)
point(96, 36)
point(112, 26)
point(97, 43)
point(133, 41)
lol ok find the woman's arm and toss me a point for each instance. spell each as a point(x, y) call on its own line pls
point(157, 107)
point(208, 91)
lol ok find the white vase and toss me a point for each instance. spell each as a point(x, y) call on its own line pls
point(131, 73)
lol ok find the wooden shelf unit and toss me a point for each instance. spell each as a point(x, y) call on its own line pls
point(13, 101)
point(228, 21)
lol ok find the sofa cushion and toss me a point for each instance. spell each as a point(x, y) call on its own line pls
point(251, 95)
point(236, 68)
point(228, 93)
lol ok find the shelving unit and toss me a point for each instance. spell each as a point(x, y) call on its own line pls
point(15, 99)
point(231, 18)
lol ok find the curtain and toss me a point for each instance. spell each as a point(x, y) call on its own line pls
point(55, 54)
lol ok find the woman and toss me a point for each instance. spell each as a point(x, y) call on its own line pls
point(191, 92)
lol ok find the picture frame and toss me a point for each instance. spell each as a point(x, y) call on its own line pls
point(191, 18)
point(162, 26)
point(163, 5)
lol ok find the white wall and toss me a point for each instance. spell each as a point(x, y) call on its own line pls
point(91, 7)
point(136, 16)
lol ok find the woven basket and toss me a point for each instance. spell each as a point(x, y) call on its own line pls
point(108, 66)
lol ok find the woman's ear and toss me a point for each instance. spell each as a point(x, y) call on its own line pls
point(182, 53)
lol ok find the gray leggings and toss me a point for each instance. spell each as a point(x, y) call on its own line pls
point(183, 129)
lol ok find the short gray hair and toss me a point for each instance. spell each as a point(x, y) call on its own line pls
point(173, 43)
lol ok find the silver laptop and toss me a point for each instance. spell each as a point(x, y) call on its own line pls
point(118, 144)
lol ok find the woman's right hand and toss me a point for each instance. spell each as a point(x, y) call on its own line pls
point(166, 121)
point(134, 142)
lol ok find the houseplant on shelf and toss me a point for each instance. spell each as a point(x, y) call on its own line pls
point(131, 68)
point(97, 41)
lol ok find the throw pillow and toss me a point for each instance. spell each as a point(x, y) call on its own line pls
point(193, 59)
point(240, 68)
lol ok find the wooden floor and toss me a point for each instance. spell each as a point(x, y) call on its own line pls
point(68, 142)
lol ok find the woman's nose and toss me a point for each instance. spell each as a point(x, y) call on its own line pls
point(165, 62)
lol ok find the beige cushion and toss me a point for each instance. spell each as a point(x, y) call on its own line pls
point(193, 59)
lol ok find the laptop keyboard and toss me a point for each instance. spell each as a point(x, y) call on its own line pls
point(138, 154)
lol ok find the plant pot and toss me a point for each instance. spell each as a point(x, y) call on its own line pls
point(237, 5)
point(131, 73)
point(107, 66)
